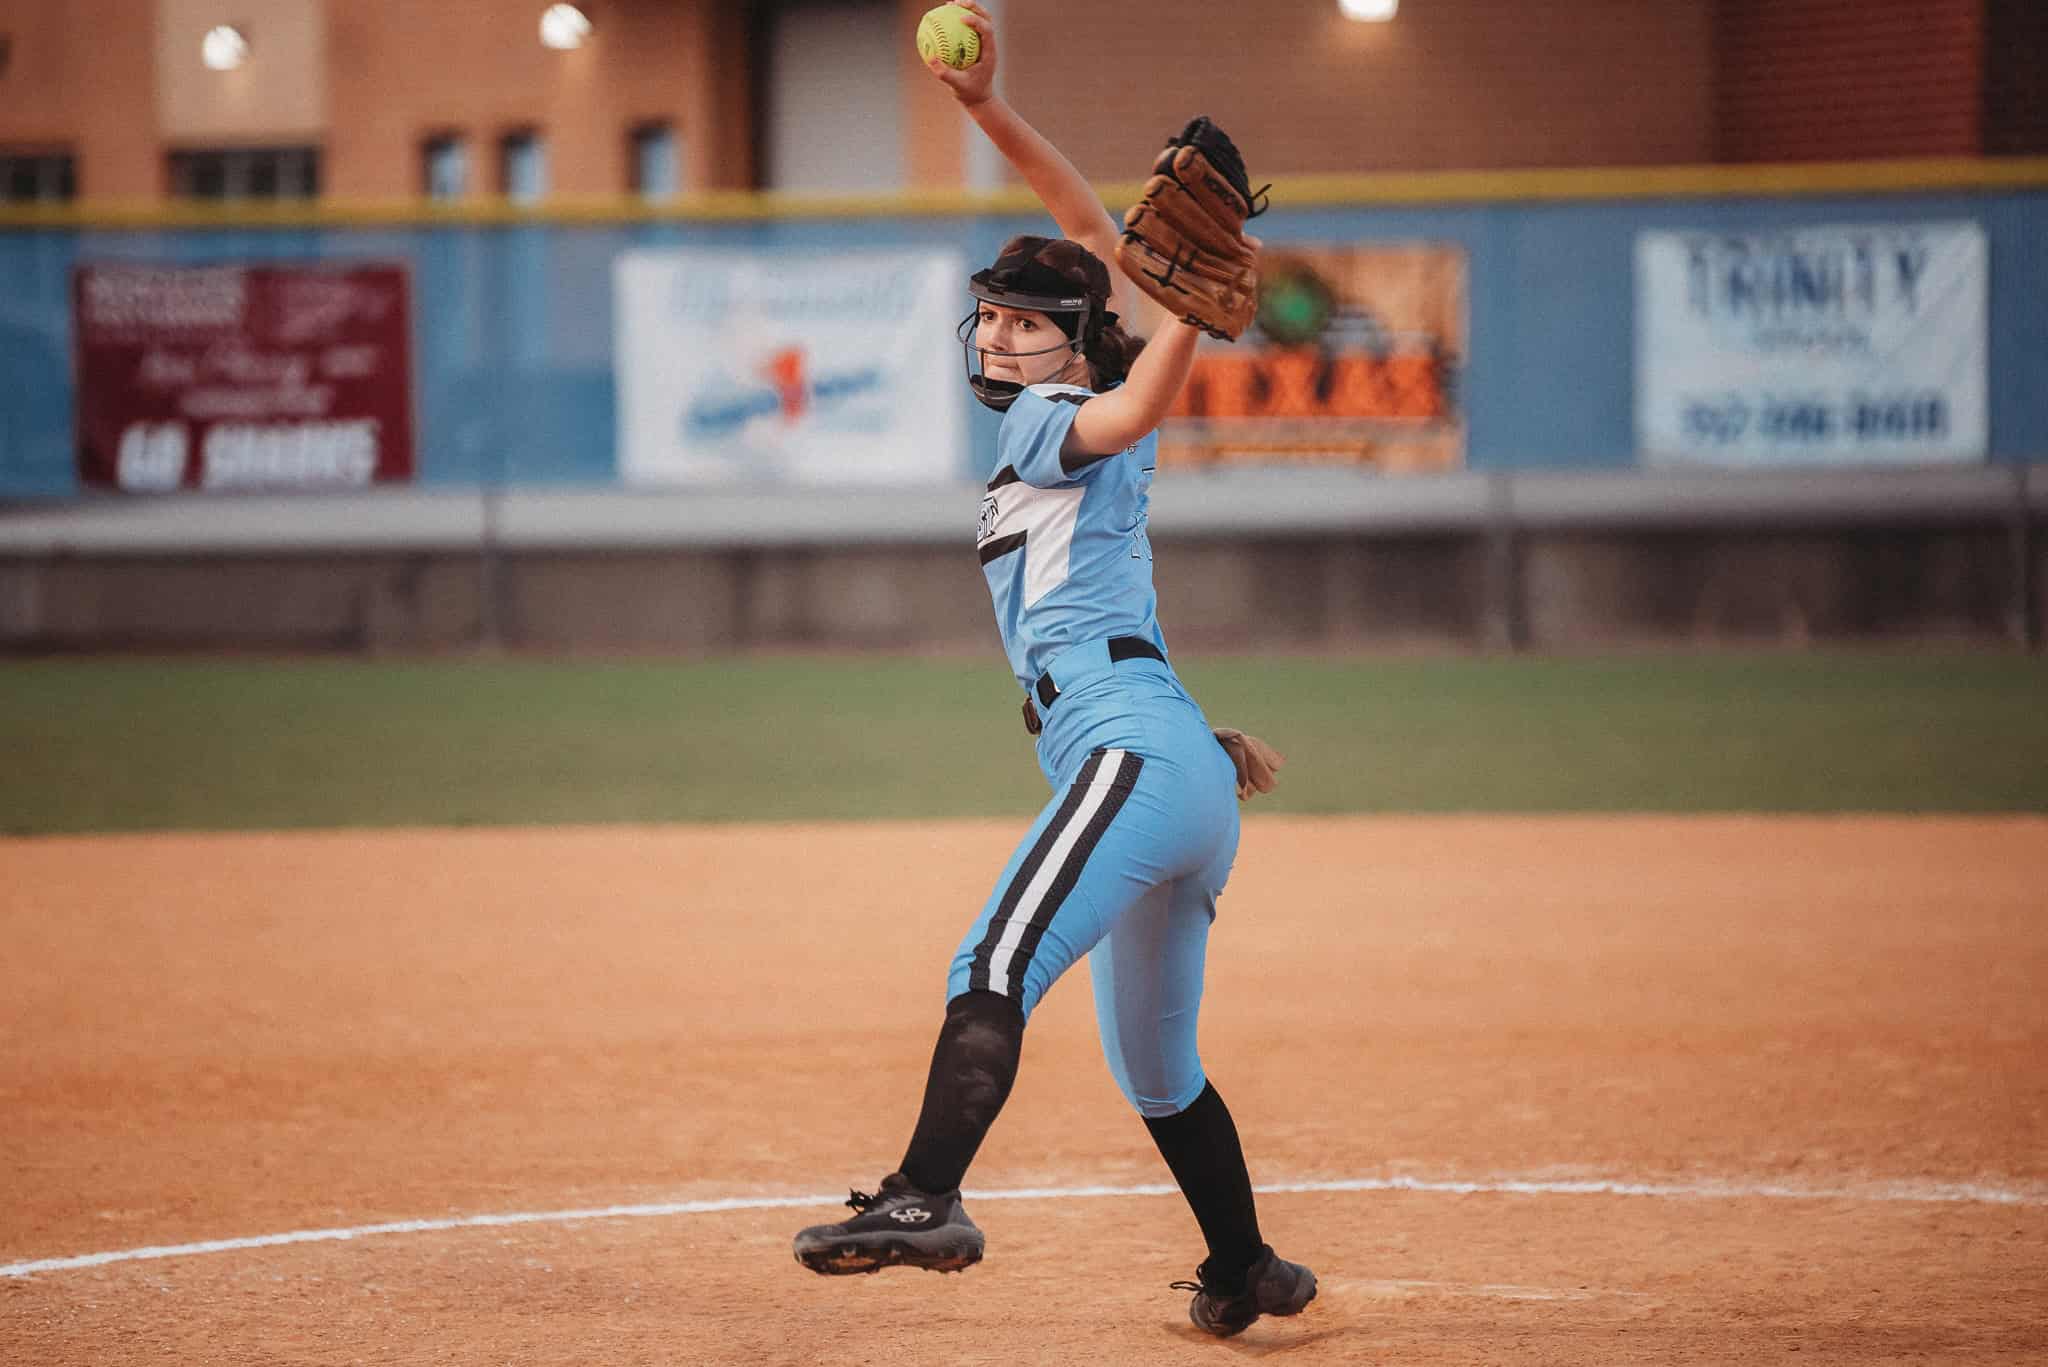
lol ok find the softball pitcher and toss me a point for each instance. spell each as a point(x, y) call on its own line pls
point(1125, 863)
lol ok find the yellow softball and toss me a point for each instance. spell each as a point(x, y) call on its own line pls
point(943, 33)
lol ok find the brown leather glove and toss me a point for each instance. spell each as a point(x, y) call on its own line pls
point(1257, 763)
point(1183, 243)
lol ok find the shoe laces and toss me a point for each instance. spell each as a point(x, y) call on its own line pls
point(1204, 1289)
point(892, 1187)
point(1202, 1286)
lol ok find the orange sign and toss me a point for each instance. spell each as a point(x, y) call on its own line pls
point(1356, 361)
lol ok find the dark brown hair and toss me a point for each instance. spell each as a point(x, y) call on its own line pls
point(1110, 352)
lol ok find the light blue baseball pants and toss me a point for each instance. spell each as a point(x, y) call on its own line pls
point(1124, 865)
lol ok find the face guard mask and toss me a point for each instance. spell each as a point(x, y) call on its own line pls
point(1000, 394)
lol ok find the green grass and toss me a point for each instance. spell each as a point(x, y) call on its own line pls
point(128, 744)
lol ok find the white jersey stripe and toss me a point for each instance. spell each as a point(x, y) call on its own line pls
point(1049, 553)
point(1107, 775)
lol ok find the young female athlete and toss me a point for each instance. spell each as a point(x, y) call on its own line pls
point(1126, 861)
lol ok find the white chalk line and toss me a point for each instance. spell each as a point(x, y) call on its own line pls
point(1922, 1192)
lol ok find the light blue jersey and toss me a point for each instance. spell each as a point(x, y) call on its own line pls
point(1065, 550)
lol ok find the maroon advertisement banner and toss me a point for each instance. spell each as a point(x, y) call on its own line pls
point(243, 377)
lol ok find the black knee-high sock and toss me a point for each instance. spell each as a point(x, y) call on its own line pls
point(973, 1065)
point(1201, 1146)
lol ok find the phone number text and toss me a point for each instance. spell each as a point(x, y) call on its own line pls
point(1732, 418)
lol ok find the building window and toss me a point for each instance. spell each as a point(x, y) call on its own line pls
point(523, 165)
point(246, 173)
point(26, 177)
point(445, 161)
point(657, 166)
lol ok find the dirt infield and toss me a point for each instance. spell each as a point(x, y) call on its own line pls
point(1810, 1051)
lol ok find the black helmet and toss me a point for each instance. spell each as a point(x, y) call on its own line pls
point(1049, 275)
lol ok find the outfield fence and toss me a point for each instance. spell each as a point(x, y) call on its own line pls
point(1545, 530)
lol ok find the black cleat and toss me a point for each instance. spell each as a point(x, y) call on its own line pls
point(1273, 1286)
point(899, 1226)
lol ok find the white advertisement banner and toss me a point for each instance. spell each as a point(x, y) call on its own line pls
point(738, 367)
point(1838, 346)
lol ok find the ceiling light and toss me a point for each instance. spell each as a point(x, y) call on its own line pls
point(1370, 11)
point(224, 47)
point(564, 26)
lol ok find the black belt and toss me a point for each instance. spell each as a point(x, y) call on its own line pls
point(1120, 648)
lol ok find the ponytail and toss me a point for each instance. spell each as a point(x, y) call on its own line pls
point(1109, 351)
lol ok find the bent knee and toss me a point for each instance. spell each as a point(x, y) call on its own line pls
point(1162, 1099)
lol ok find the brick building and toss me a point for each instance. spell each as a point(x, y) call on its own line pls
point(114, 100)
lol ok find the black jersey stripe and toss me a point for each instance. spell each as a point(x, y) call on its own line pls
point(977, 978)
point(1001, 546)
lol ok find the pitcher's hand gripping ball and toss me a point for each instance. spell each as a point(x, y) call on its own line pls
point(943, 33)
point(1183, 243)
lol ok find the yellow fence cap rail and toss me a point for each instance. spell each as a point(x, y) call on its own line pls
point(1777, 180)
